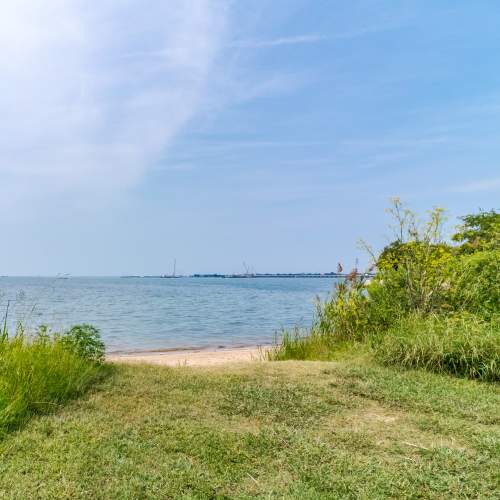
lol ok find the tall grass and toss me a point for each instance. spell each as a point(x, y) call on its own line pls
point(462, 345)
point(301, 345)
point(38, 374)
point(344, 318)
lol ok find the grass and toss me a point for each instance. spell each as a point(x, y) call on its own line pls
point(313, 345)
point(462, 345)
point(343, 429)
point(37, 376)
point(302, 345)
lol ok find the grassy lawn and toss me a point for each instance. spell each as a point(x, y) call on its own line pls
point(346, 429)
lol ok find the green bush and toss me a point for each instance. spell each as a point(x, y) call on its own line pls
point(430, 305)
point(416, 272)
point(475, 286)
point(345, 316)
point(40, 373)
point(461, 345)
point(85, 341)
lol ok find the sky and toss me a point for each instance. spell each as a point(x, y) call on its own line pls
point(219, 132)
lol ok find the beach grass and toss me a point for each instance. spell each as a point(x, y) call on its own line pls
point(342, 429)
point(39, 374)
point(461, 345)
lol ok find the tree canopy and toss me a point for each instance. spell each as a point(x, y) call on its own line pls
point(479, 232)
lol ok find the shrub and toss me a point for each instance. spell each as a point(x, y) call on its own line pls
point(461, 345)
point(345, 315)
point(85, 341)
point(415, 269)
point(475, 286)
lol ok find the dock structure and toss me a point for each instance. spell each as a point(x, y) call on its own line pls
point(282, 275)
point(331, 275)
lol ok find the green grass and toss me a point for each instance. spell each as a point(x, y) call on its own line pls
point(37, 376)
point(302, 345)
point(463, 345)
point(343, 429)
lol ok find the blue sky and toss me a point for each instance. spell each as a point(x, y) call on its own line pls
point(219, 132)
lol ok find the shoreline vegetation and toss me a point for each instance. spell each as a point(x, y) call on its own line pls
point(392, 393)
point(42, 371)
point(433, 303)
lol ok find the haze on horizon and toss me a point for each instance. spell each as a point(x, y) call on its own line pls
point(218, 132)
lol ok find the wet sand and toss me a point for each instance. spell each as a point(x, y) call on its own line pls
point(193, 357)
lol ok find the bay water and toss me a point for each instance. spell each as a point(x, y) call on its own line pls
point(142, 314)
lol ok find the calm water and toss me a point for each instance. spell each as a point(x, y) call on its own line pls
point(141, 314)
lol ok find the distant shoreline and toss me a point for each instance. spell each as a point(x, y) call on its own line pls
point(253, 276)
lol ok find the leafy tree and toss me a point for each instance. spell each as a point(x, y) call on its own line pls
point(479, 232)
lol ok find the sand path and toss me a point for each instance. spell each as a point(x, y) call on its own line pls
point(192, 357)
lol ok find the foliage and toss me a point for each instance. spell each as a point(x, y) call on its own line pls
point(415, 268)
point(461, 345)
point(345, 316)
point(479, 232)
point(85, 341)
point(40, 373)
point(413, 275)
point(424, 284)
point(475, 285)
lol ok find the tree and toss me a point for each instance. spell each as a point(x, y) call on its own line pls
point(479, 232)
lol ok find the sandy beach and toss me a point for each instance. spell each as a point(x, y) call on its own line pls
point(192, 357)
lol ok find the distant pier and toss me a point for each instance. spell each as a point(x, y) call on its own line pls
point(260, 275)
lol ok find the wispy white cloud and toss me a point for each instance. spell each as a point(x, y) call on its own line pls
point(477, 186)
point(76, 111)
point(275, 42)
point(313, 38)
point(247, 44)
